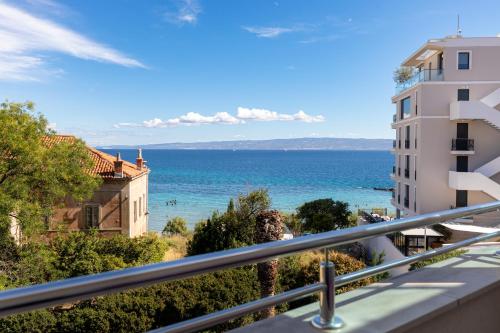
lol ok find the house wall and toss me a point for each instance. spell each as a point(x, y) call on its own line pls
point(138, 193)
point(116, 199)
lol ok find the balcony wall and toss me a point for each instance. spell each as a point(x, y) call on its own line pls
point(457, 295)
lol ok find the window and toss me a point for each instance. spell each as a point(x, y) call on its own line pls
point(416, 102)
point(407, 137)
point(405, 107)
point(407, 196)
point(140, 206)
point(463, 60)
point(135, 211)
point(463, 95)
point(415, 167)
point(461, 199)
point(407, 166)
point(92, 216)
point(416, 130)
point(462, 163)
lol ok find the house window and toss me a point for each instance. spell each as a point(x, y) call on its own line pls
point(405, 107)
point(135, 211)
point(140, 206)
point(463, 60)
point(463, 95)
point(461, 199)
point(92, 217)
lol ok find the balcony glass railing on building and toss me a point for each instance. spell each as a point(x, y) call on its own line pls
point(462, 144)
point(421, 76)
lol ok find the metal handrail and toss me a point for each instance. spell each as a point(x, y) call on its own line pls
point(84, 287)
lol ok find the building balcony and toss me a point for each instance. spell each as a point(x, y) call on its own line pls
point(393, 172)
point(394, 118)
point(394, 144)
point(420, 76)
point(461, 146)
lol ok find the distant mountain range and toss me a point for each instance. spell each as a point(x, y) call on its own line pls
point(274, 144)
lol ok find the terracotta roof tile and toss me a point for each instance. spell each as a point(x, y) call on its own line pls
point(103, 163)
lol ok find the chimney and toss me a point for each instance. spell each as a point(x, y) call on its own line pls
point(139, 161)
point(118, 166)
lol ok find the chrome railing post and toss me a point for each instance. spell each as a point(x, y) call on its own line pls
point(326, 319)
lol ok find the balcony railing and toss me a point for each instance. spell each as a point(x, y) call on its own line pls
point(85, 287)
point(462, 144)
point(407, 173)
point(407, 144)
point(421, 76)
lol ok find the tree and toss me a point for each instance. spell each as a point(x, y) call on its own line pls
point(176, 226)
point(234, 228)
point(268, 228)
point(402, 74)
point(36, 177)
point(324, 215)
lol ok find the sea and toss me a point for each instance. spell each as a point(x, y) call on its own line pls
point(194, 183)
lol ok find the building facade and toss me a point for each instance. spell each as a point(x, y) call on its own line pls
point(119, 206)
point(447, 123)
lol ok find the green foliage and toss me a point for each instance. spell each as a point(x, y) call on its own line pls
point(376, 259)
point(303, 269)
point(293, 223)
point(234, 228)
point(436, 259)
point(34, 177)
point(176, 226)
point(402, 74)
point(324, 215)
point(78, 253)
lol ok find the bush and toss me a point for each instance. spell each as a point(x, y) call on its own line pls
point(176, 226)
point(436, 259)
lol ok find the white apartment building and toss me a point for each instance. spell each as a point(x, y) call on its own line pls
point(447, 122)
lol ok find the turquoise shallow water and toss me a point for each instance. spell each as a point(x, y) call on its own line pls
point(201, 181)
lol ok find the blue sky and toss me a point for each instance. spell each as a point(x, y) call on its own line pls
point(137, 72)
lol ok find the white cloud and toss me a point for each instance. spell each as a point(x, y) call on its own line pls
point(267, 115)
point(23, 37)
point(243, 115)
point(187, 11)
point(190, 118)
point(269, 32)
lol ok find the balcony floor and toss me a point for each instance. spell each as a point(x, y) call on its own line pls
point(457, 295)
